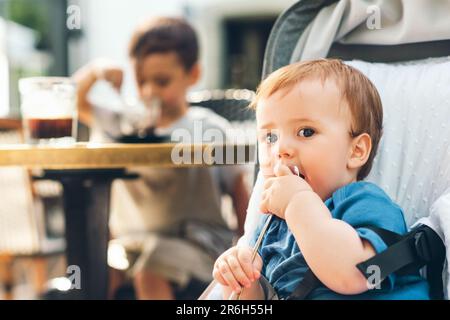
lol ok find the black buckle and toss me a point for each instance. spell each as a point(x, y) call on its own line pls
point(428, 244)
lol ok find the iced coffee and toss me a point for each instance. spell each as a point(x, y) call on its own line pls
point(48, 108)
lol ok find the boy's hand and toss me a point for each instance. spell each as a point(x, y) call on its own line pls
point(109, 71)
point(86, 78)
point(279, 190)
point(235, 269)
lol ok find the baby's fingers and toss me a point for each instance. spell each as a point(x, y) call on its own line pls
point(228, 276)
point(218, 277)
point(268, 183)
point(238, 271)
point(264, 204)
point(282, 170)
point(245, 258)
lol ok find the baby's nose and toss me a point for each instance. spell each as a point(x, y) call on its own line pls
point(285, 149)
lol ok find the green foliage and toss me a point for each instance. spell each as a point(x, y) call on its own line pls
point(32, 14)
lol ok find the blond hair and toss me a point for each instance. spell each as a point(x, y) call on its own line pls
point(358, 91)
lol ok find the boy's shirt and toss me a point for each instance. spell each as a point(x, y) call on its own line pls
point(358, 204)
point(164, 199)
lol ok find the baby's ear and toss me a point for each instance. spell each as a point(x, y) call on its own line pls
point(360, 151)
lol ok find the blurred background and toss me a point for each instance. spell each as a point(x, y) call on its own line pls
point(56, 37)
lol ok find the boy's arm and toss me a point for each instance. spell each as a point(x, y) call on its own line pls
point(240, 196)
point(331, 247)
point(85, 79)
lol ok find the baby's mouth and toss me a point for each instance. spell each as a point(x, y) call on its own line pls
point(296, 171)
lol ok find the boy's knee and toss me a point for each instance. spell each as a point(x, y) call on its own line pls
point(151, 286)
point(149, 277)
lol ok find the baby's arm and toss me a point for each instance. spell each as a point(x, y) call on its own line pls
point(331, 247)
point(235, 271)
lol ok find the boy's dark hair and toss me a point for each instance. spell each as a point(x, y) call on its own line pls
point(163, 35)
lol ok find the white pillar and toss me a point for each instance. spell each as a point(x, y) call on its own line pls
point(4, 72)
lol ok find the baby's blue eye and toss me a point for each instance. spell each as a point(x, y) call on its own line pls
point(306, 132)
point(271, 138)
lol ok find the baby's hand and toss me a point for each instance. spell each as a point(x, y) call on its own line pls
point(278, 191)
point(235, 269)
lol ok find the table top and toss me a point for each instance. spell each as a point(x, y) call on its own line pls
point(99, 156)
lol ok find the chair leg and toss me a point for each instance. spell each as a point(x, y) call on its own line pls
point(117, 279)
point(7, 276)
point(40, 268)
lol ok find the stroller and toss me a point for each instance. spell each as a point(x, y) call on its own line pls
point(404, 48)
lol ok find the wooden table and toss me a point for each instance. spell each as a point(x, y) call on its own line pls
point(86, 172)
point(107, 156)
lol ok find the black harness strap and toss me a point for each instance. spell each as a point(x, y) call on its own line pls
point(400, 257)
point(405, 255)
point(305, 287)
point(431, 250)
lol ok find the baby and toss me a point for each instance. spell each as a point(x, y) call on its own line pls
point(325, 118)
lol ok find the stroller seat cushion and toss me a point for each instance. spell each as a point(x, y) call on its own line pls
point(413, 160)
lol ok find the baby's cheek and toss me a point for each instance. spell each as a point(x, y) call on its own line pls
point(266, 160)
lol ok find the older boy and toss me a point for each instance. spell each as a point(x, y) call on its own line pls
point(325, 118)
point(169, 221)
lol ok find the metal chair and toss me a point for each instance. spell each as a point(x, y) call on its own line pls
point(230, 104)
point(23, 231)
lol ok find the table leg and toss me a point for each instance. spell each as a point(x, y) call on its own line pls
point(86, 200)
point(86, 207)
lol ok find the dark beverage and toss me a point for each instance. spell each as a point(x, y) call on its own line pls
point(50, 128)
point(144, 136)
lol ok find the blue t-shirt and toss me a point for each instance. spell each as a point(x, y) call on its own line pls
point(358, 204)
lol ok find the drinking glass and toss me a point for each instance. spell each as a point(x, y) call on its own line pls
point(49, 110)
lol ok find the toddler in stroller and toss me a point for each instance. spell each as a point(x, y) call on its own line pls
point(412, 165)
